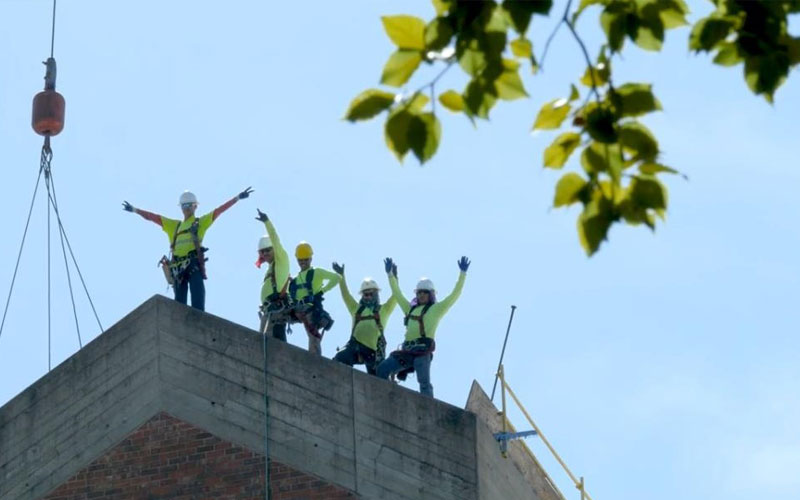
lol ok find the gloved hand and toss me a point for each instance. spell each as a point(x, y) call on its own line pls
point(463, 264)
point(246, 193)
point(387, 264)
point(127, 207)
point(261, 216)
point(394, 270)
point(338, 269)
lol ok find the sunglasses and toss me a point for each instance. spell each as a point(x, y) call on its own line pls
point(423, 291)
point(187, 205)
point(367, 294)
point(265, 250)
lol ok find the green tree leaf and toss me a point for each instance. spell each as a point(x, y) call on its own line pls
point(673, 13)
point(557, 154)
point(407, 32)
point(552, 114)
point(424, 133)
point(452, 100)
point(599, 157)
point(568, 189)
point(728, 54)
point(650, 168)
point(368, 104)
point(637, 139)
point(509, 86)
point(442, 6)
point(650, 30)
point(594, 222)
point(417, 102)
point(648, 193)
point(520, 12)
point(472, 61)
point(615, 26)
point(765, 74)
point(600, 73)
point(438, 34)
point(521, 47)
point(708, 32)
point(601, 124)
point(477, 100)
point(396, 132)
point(574, 95)
point(635, 99)
point(400, 66)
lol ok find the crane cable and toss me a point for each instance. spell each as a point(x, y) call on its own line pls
point(45, 168)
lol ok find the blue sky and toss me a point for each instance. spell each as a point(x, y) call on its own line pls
point(665, 366)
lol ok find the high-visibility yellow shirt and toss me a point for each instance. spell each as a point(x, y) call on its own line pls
point(434, 313)
point(279, 266)
point(366, 331)
point(184, 242)
point(317, 286)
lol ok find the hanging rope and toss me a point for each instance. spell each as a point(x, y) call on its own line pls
point(54, 203)
point(47, 155)
point(53, 31)
point(19, 255)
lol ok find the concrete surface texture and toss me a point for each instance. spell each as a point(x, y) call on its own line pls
point(366, 435)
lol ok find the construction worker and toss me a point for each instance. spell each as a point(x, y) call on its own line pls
point(422, 317)
point(274, 311)
point(306, 291)
point(187, 265)
point(367, 345)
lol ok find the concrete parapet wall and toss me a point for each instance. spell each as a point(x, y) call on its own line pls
point(367, 435)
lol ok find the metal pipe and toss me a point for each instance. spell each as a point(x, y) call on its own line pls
point(503, 352)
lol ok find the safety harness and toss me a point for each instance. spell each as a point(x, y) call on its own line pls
point(376, 315)
point(177, 268)
point(294, 287)
point(418, 318)
point(414, 348)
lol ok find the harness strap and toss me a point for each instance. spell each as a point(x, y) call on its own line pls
point(308, 285)
point(418, 318)
point(375, 315)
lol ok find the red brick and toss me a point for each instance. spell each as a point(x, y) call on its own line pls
point(169, 458)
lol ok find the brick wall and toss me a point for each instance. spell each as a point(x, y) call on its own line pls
point(168, 458)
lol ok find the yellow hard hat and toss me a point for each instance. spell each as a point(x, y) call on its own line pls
point(303, 250)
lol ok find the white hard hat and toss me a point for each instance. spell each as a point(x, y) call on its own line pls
point(264, 242)
point(369, 284)
point(187, 197)
point(425, 284)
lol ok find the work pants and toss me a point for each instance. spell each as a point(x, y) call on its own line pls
point(422, 367)
point(356, 353)
point(191, 281)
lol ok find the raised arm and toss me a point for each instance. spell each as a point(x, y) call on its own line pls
point(391, 273)
point(228, 204)
point(349, 301)
point(143, 213)
point(448, 301)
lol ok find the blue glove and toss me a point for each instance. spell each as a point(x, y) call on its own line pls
point(244, 194)
point(463, 264)
point(338, 269)
point(387, 264)
point(261, 216)
point(394, 270)
point(127, 206)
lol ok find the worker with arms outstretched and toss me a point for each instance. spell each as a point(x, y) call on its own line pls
point(306, 292)
point(186, 264)
point(367, 345)
point(423, 314)
point(274, 311)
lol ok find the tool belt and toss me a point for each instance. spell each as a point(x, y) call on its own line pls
point(179, 268)
point(277, 307)
point(365, 355)
point(410, 350)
